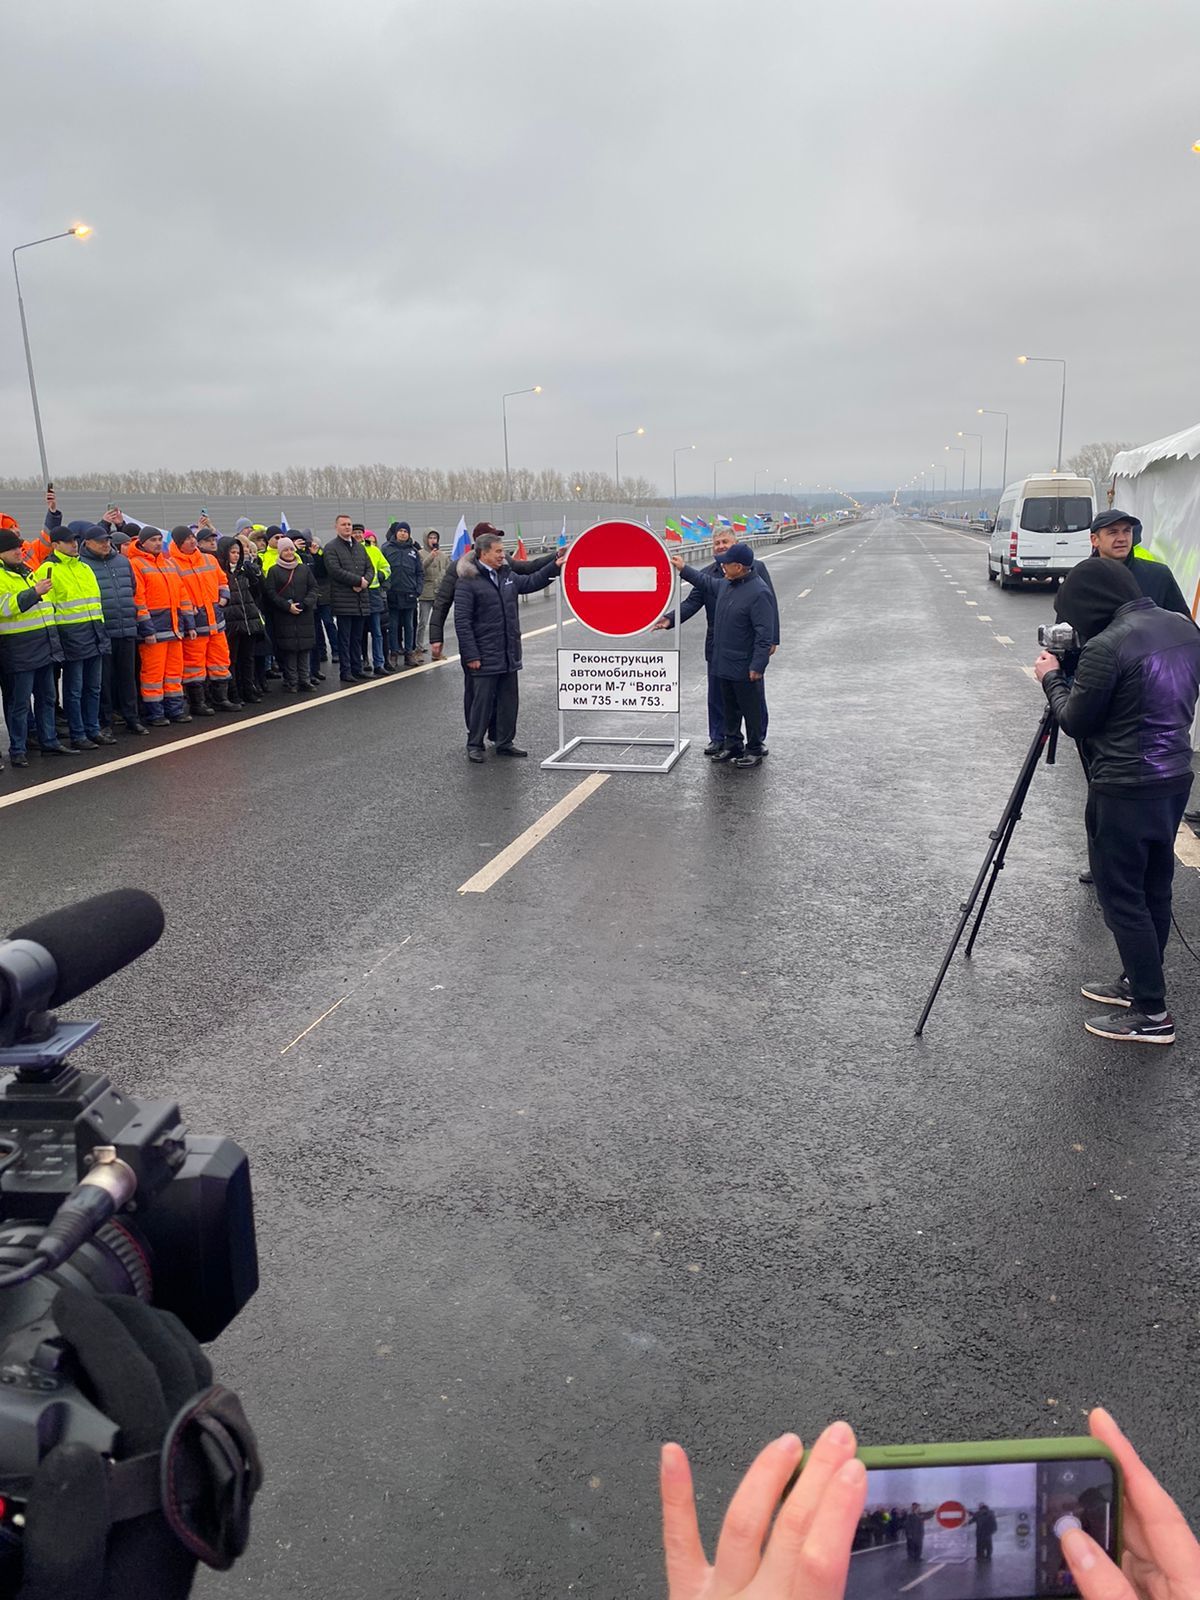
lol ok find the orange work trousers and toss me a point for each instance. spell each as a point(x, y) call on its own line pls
point(205, 658)
point(161, 669)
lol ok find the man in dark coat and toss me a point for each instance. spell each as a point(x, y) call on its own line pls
point(743, 632)
point(118, 669)
point(985, 1531)
point(914, 1531)
point(488, 626)
point(29, 648)
point(705, 599)
point(349, 569)
point(1130, 706)
point(1117, 536)
point(403, 556)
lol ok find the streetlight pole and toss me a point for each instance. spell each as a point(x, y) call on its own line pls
point(979, 439)
point(675, 455)
point(984, 412)
point(630, 433)
point(962, 450)
point(1062, 403)
point(754, 490)
point(719, 462)
point(504, 399)
point(80, 231)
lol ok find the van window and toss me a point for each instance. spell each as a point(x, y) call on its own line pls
point(1058, 514)
point(1004, 516)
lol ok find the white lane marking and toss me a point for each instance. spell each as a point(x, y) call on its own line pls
point(982, 618)
point(483, 880)
point(1002, 638)
point(829, 572)
point(329, 1010)
point(68, 780)
point(972, 602)
point(924, 1578)
point(617, 580)
point(802, 593)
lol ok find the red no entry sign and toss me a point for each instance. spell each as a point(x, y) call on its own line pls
point(617, 578)
point(951, 1514)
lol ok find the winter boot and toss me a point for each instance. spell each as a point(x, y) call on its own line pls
point(176, 708)
point(218, 695)
point(155, 716)
point(200, 706)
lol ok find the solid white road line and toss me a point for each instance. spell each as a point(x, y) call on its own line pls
point(483, 880)
point(924, 1578)
point(329, 1010)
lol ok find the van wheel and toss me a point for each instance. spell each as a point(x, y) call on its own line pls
point(991, 575)
point(1008, 583)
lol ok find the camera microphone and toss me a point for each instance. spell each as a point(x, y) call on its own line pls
point(81, 945)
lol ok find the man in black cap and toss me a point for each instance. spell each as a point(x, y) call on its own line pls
point(1117, 536)
point(743, 635)
point(1130, 705)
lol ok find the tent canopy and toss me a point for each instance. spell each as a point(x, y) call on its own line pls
point(1183, 446)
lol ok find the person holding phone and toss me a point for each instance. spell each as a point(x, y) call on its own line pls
point(800, 1550)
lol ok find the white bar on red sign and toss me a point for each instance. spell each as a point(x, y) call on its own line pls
point(618, 580)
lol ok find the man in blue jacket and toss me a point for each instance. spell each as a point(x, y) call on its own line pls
point(118, 669)
point(408, 577)
point(705, 599)
point(488, 626)
point(743, 632)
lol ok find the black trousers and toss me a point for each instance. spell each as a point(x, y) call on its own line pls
point(1131, 851)
point(119, 682)
point(350, 645)
point(494, 701)
point(741, 699)
point(241, 659)
point(294, 666)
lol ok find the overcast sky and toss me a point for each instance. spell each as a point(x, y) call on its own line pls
point(810, 234)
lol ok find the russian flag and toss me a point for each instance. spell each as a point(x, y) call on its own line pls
point(462, 540)
point(722, 522)
point(283, 523)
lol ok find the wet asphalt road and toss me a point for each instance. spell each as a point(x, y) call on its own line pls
point(639, 1145)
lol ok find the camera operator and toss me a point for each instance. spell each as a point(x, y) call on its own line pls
point(1130, 705)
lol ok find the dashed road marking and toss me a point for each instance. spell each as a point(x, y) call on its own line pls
point(802, 593)
point(1002, 638)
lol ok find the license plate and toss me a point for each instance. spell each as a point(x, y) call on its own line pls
point(1035, 561)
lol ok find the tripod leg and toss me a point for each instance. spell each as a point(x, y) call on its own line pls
point(997, 869)
point(993, 860)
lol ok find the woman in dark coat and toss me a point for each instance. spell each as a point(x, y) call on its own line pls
point(243, 619)
point(291, 590)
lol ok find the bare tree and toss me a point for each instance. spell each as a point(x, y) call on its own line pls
point(1095, 461)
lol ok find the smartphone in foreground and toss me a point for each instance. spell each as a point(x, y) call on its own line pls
point(964, 1521)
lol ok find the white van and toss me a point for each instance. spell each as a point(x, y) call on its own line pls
point(1042, 529)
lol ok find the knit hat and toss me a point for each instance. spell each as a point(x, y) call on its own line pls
point(9, 540)
point(146, 533)
point(180, 534)
point(286, 551)
point(243, 525)
point(407, 526)
point(1092, 594)
point(9, 525)
point(737, 552)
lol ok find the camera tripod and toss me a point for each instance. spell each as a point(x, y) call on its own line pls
point(1046, 738)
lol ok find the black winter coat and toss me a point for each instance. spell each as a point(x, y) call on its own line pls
point(443, 601)
point(1131, 703)
point(408, 575)
point(707, 598)
point(485, 613)
point(345, 564)
point(243, 611)
point(284, 587)
point(115, 577)
point(744, 615)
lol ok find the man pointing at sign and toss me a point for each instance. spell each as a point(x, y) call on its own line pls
point(742, 639)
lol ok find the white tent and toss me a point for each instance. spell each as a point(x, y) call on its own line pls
point(1160, 483)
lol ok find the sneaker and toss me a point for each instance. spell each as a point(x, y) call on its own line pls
point(1117, 993)
point(1133, 1027)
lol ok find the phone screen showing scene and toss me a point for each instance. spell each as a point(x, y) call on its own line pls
point(961, 1532)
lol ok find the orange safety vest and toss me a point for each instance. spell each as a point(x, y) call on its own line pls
point(161, 598)
point(206, 587)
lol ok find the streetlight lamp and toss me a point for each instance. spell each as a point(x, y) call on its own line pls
point(630, 433)
point(984, 412)
point(962, 450)
point(79, 231)
point(979, 438)
point(720, 462)
point(675, 455)
point(504, 399)
point(754, 490)
point(1062, 404)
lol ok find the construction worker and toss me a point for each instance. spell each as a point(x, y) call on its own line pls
point(377, 596)
point(165, 621)
point(74, 593)
point(218, 669)
point(29, 647)
point(205, 652)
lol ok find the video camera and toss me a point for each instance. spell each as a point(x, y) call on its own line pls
point(98, 1191)
point(1061, 640)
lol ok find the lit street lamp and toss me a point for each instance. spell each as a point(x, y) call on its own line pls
point(675, 455)
point(504, 399)
point(979, 438)
point(754, 491)
point(1062, 404)
point(984, 412)
point(630, 433)
point(962, 450)
point(720, 462)
point(79, 231)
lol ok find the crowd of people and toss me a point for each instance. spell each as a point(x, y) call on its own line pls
point(112, 627)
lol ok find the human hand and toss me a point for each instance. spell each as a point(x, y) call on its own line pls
point(807, 1556)
point(295, 609)
point(560, 558)
point(678, 563)
point(755, 676)
point(660, 625)
point(435, 652)
point(51, 500)
point(1045, 663)
point(1162, 1557)
point(774, 647)
point(43, 585)
point(474, 665)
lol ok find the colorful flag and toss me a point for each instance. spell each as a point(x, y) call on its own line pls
point(562, 538)
point(722, 522)
point(520, 552)
point(739, 523)
point(673, 531)
point(283, 523)
point(462, 540)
